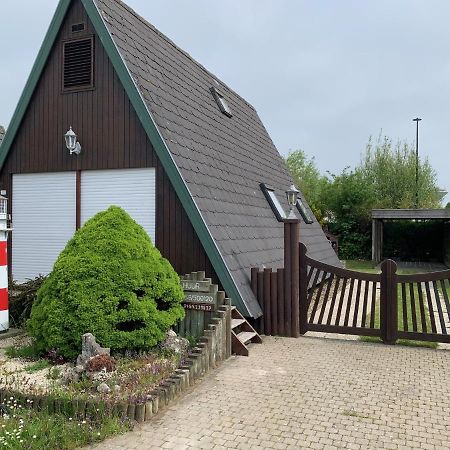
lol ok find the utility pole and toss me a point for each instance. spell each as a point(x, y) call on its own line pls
point(417, 120)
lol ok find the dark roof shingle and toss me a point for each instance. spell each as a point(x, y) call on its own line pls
point(223, 160)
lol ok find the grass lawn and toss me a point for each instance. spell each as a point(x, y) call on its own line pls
point(361, 265)
point(368, 266)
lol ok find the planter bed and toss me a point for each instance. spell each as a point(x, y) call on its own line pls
point(148, 381)
point(37, 383)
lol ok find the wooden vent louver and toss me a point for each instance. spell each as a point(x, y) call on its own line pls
point(78, 70)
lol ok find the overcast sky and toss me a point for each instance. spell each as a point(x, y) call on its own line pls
point(324, 75)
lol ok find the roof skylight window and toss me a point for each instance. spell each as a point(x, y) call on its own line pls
point(274, 203)
point(221, 102)
point(301, 207)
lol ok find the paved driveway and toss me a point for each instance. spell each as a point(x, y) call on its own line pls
point(310, 393)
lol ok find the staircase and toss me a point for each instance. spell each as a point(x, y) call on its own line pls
point(242, 333)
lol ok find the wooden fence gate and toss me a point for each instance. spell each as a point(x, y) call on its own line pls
point(331, 299)
point(339, 300)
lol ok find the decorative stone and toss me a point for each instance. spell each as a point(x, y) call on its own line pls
point(175, 343)
point(89, 349)
point(103, 388)
point(101, 376)
point(71, 375)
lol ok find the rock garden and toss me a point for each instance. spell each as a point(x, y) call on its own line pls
point(97, 343)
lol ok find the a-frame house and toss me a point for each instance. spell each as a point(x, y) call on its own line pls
point(161, 137)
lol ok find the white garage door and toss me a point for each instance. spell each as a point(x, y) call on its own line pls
point(43, 216)
point(134, 190)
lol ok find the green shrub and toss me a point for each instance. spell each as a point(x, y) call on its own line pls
point(109, 281)
point(21, 299)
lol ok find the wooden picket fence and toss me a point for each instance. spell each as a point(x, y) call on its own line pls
point(309, 295)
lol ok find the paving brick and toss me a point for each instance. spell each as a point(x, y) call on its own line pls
point(310, 393)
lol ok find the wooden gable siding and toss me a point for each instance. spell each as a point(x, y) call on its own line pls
point(111, 137)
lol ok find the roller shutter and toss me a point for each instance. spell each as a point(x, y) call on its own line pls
point(134, 190)
point(43, 215)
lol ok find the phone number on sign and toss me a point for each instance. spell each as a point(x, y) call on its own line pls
point(197, 307)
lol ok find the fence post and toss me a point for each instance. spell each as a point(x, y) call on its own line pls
point(254, 278)
point(274, 303)
point(303, 294)
point(267, 304)
point(388, 302)
point(291, 270)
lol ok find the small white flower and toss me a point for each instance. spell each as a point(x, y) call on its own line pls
point(70, 418)
point(34, 437)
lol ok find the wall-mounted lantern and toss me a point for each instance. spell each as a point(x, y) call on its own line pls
point(72, 143)
point(291, 195)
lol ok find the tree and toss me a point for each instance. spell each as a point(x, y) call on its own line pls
point(349, 199)
point(309, 180)
point(384, 178)
point(391, 170)
point(110, 281)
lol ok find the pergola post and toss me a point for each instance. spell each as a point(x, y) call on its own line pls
point(377, 240)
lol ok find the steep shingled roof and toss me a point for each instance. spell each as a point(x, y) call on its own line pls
point(223, 160)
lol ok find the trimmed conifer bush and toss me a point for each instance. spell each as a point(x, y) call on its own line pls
point(109, 281)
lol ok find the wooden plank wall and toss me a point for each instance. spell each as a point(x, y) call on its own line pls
point(111, 137)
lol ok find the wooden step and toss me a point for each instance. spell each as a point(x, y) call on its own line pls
point(236, 322)
point(246, 336)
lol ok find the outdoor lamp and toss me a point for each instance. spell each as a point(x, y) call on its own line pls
point(71, 142)
point(291, 195)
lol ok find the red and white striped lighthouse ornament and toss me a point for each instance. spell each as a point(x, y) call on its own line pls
point(4, 229)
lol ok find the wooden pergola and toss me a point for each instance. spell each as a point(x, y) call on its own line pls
point(380, 215)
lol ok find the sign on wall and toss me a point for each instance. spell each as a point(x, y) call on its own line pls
point(199, 295)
